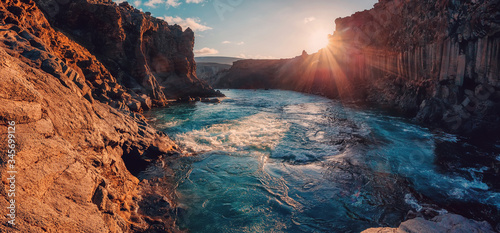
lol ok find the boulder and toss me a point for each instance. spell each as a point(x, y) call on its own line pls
point(213, 100)
point(134, 105)
point(146, 102)
point(452, 223)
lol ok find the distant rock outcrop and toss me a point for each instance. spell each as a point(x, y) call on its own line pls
point(208, 71)
point(209, 68)
point(437, 61)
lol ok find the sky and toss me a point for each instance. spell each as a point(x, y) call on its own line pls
point(259, 29)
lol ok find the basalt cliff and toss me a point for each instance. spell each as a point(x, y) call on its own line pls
point(73, 75)
point(436, 61)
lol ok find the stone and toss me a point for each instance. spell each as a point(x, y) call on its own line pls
point(166, 61)
point(52, 67)
point(214, 100)
point(482, 93)
point(390, 56)
point(443, 223)
point(134, 105)
point(32, 54)
point(146, 102)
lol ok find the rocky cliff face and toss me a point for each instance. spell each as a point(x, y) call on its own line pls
point(437, 61)
point(73, 157)
point(79, 142)
point(143, 53)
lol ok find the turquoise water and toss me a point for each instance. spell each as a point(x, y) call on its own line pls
point(281, 161)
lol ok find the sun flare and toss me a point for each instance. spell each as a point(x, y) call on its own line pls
point(318, 40)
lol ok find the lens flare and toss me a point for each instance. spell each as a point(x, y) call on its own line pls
point(318, 40)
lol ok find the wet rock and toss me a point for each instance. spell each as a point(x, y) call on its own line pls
point(187, 99)
point(213, 100)
point(441, 223)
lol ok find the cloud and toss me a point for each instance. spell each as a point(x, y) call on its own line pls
point(194, 1)
point(153, 3)
point(192, 23)
point(206, 51)
point(174, 3)
point(309, 19)
point(236, 43)
point(137, 3)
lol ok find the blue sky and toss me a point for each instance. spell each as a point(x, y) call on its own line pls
point(255, 28)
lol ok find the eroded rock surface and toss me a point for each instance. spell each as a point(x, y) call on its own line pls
point(71, 175)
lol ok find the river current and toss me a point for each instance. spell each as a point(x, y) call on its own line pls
point(281, 161)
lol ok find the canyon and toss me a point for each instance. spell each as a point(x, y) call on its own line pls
point(76, 76)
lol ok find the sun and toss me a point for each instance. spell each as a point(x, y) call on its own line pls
point(318, 40)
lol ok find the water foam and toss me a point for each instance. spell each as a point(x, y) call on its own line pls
point(261, 132)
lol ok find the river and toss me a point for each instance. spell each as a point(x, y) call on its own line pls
point(282, 161)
